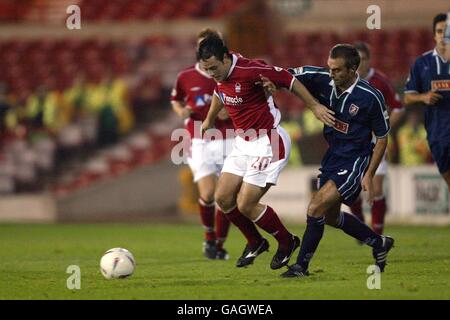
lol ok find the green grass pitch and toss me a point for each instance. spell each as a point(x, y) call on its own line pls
point(170, 265)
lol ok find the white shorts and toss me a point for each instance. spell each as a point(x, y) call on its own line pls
point(382, 167)
point(207, 157)
point(261, 160)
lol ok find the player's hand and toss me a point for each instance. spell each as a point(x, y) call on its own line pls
point(367, 185)
point(206, 124)
point(185, 112)
point(431, 97)
point(324, 114)
point(268, 85)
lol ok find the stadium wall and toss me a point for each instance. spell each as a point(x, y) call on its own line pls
point(415, 195)
point(28, 208)
point(145, 194)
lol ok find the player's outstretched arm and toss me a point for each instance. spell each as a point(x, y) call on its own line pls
point(429, 98)
point(320, 111)
point(377, 156)
point(214, 109)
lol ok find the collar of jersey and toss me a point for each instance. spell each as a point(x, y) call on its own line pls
point(349, 89)
point(435, 53)
point(233, 64)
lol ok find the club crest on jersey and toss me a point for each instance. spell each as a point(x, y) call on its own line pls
point(353, 110)
point(237, 87)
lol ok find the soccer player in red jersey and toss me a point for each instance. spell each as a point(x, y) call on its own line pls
point(191, 98)
point(261, 147)
point(381, 82)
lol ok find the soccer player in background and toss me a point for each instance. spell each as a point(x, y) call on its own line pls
point(379, 81)
point(447, 38)
point(352, 158)
point(429, 84)
point(191, 98)
point(261, 147)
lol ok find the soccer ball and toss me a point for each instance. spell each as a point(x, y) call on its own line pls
point(117, 263)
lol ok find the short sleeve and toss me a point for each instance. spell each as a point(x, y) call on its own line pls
point(413, 83)
point(281, 77)
point(311, 77)
point(178, 93)
point(379, 117)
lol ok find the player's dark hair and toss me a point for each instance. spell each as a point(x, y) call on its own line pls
point(208, 32)
point(438, 18)
point(212, 46)
point(348, 53)
point(363, 47)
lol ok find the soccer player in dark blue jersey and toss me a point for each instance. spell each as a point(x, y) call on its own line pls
point(357, 143)
point(447, 38)
point(429, 84)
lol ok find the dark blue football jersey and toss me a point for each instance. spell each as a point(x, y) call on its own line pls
point(431, 72)
point(360, 112)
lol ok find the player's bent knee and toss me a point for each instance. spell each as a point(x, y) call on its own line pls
point(207, 197)
point(224, 202)
point(314, 210)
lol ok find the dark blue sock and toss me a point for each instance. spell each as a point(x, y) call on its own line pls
point(311, 239)
point(358, 230)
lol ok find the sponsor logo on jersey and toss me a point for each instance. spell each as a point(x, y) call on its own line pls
point(353, 110)
point(195, 88)
point(440, 85)
point(341, 126)
point(232, 100)
point(199, 102)
point(237, 87)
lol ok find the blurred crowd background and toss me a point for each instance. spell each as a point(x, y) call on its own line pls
point(78, 106)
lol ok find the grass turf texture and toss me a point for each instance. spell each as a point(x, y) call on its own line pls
point(170, 265)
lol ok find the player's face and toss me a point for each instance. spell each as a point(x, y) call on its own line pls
point(364, 65)
point(217, 69)
point(340, 74)
point(439, 35)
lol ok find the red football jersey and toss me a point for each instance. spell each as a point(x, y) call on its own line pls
point(243, 95)
point(194, 88)
point(380, 81)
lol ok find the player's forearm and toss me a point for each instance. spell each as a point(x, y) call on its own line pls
point(412, 98)
point(179, 108)
point(300, 91)
point(377, 155)
point(214, 109)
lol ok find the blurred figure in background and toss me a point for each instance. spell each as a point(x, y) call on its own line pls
point(412, 141)
point(292, 126)
point(429, 84)
point(191, 99)
point(379, 81)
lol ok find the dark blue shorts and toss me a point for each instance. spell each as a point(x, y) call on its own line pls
point(441, 155)
point(346, 173)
